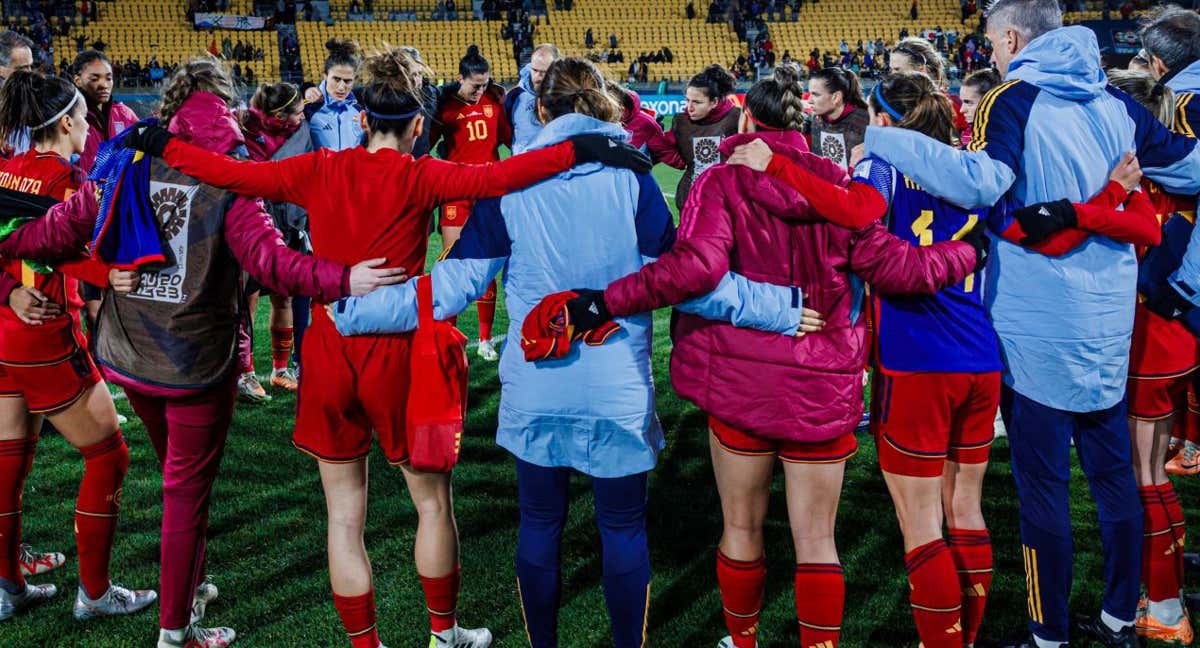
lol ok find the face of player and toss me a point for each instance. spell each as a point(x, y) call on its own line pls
point(471, 88)
point(74, 127)
point(294, 114)
point(698, 104)
point(339, 82)
point(538, 65)
point(22, 59)
point(970, 101)
point(95, 81)
point(824, 102)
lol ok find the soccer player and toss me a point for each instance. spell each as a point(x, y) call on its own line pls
point(359, 385)
point(974, 88)
point(839, 113)
point(45, 369)
point(693, 143)
point(1054, 130)
point(472, 124)
point(607, 431)
point(171, 343)
point(915, 54)
point(793, 399)
point(520, 103)
point(274, 129)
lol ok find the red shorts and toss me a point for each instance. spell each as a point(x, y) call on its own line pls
point(455, 214)
point(1155, 399)
point(353, 389)
point(50, 388)
point(742, 443)
point(921, 420)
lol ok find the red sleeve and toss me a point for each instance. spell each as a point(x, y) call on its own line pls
point(89, 269)
point(1137, 224)
point(665, 150)
point(260, 250)
point(438, 181)
point(895, 267)
point(289, 180)
point(855, 206)
point(63, 233)
point(692, 267)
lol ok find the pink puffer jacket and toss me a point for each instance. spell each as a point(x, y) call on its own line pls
point(772, 386)
point(120, 117)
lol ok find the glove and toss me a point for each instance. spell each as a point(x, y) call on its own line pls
point(1043, 219)
point(978, 239)
point(610, 152)
point(588, 311)
point(150, 139)
point(1168, 303)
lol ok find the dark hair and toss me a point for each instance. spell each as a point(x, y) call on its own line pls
point(621, 96)
point(86, 58)
point(390, 98)
point(204, 74)
point(843, 81)
point(1154, 95)
point(778, 101)
point(9, 41)
point(982, 80)
point(1173, 35)
point(925, 56)
point(343, 51)
point(913, 101)
point(716, 82)
point(473, 63)
point(275, 98)
point(30, 100)
point(575, 85)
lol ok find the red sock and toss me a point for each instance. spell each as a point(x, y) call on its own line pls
point(1170, 501)
point(282, 339)
point(1159, 574)
point(820, 598)
point(441, 599)
point(487, 311)
point(741, 584)
point(358, 618)
point(16, 457)
point(96, 508)
point(935, 598)
point(972, 553)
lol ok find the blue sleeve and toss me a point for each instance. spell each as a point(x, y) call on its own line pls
point(459, 279)
point(970, 179)
point(879, 175)
point(1170, 159)
point(654, 223)
point(750, 304)
point(1186, 280)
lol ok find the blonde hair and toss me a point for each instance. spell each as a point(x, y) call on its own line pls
point(204, 74)
point(1155, 96)
point(925, 58)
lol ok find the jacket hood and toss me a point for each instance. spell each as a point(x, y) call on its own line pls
point(1064, 62)
point(628, 115)
point(1187, 80)
point(205, 120)
point(347, 103)
point(526, 82)
point(771, 195)
point(256, 123)
point(570, 125)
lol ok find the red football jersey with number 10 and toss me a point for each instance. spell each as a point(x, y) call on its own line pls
point(474, 132)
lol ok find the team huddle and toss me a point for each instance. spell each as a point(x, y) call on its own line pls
point(1026, 247)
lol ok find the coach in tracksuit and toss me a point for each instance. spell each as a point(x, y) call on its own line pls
point(521, 102)
point(1054, 130)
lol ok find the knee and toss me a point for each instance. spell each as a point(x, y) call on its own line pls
point(964, 511)
point(436, 506)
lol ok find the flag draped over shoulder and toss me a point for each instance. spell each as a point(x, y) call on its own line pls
point(126, 233)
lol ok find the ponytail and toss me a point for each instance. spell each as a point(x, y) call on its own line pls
point(912, 101)
point(777, 103)
point(846, 82)
point(391, 98)
point(36, 102)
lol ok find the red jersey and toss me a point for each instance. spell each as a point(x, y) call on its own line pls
point(473, 132)
point(1162, 348)
point(45, 174)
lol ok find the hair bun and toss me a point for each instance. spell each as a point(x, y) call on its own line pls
point(343, 46)
point(787, 74)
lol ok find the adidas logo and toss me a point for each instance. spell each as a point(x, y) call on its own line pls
point(612, 144)
point(823, 644)
point(1043, 211)
point(593, 309)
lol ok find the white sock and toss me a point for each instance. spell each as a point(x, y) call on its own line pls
point(1169, 611)
point(1113, 623)
point(172, 635)
point(1046, 643)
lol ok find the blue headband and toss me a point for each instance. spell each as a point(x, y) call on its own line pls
point(884, 104)
point(408, 115)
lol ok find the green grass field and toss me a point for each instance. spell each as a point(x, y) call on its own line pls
point(267, 547)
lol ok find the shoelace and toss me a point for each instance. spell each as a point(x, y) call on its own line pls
point(120, 595)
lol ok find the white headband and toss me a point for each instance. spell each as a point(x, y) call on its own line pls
point(62, 112)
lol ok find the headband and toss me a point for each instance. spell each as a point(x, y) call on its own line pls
point(295, 96)
point(878, 93)
point(760, 124)
point(408, 115)
point(61, 113)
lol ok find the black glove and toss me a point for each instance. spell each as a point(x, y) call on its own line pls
point(150, 139)
point(1168, 303)
point(1043, 219)
point(588, 311)
point(610, 152)
point(978, 239)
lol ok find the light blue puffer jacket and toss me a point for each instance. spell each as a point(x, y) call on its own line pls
point(521, 105)
point(334, 124)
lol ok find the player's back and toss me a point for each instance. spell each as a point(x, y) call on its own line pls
point(41, 174)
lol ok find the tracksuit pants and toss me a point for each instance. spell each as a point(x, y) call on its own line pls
point(621, 518)
point(1040, 440)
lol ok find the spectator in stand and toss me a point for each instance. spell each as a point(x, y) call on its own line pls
point(912, 11)
point(588, 39)
point(813, 64)
point(690, 10)
point(843, 47)
point(668, 55)
point(840, 115)
point(612, 41)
